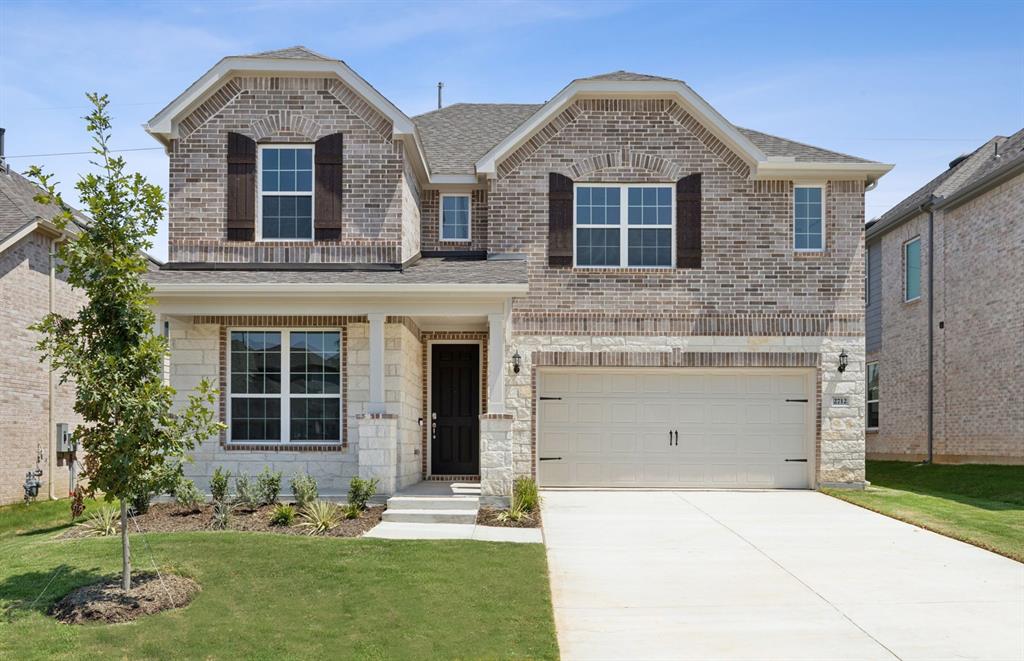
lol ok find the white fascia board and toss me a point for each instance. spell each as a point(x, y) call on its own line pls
point(645, 89)
point(314, 289)
point(454, 180)
point(163, 124)
point(805, 171)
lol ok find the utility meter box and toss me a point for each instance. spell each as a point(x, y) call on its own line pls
point(64, 442)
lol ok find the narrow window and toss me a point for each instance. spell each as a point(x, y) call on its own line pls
point(285, 386)
point(872, 400)
point(286, 193)
point(624, 226)
point(808, 218)
point(455, 217)
point(912, 270)
point(867, 277)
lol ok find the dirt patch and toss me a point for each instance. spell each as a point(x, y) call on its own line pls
point(168, 517)
point(107, 602)
point(488, 516)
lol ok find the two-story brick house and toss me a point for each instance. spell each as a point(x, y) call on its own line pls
point(945, 315)
point(617, 287)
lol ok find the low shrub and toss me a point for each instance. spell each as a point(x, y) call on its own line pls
point(246, 493)
point(102, 523)
point(320, 517)
point(219, 484)
point(350, 511)
point(304, 489)
point(187, 495)
point(139, 503)
point(524, 492)
point(360, 491)
point(268, 486)
point(283, 515)
point(514, 513)
point(222, 511)
point(77, 502)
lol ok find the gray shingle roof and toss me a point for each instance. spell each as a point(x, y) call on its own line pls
point(628, 76)
point(18, 207)
point(293, 53)
point(969, 170)
point(427, 271)
point(773, 145)
point(455, 137)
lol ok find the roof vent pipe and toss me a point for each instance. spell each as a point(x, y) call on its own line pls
point(439, 86)
point(3, 161)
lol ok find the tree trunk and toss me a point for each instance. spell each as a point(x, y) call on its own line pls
point(126, 553)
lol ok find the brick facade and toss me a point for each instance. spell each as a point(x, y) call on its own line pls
point(24, 380)
point(979, 364)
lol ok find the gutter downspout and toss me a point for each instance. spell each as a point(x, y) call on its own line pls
point(51, 449)
point(929, 208)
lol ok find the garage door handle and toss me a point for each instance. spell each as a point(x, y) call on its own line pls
point(800, 461)
point(797, 400)
point(549, 399)
point(550, 459)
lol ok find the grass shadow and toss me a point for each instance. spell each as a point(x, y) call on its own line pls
point(36, 591)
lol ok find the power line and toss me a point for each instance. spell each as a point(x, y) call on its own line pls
point(82, 153)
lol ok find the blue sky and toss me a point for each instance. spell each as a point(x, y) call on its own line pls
point(910, 83)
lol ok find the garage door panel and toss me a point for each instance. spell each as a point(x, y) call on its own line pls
point(730, 430)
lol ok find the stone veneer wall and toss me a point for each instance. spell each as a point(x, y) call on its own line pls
point(24, 391)
point(840, 433)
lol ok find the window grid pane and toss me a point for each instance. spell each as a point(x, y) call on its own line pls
point(650, 247)
point(808, 219)
point(597, 247)
point(872, 395)
point(455, 218)
point(650, 206)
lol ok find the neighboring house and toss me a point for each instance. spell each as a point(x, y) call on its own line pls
point(32, 401)
point(615, 288)
point(965, 403)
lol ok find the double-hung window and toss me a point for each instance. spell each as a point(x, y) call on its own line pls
point(624, 225)
point(912, 270)
point(872, 399)
point(286, 192)
point(808, 219)
point(455, 217)
point(285, 386)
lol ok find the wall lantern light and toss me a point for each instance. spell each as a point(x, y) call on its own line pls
point(843, 361)
point(517, 362)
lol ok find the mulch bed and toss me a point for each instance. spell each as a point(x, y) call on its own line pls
point(169, 517)
point(107, 602)
point(488, 516)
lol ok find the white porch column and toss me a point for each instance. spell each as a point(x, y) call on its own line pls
point(376, 404)
point(496, 363)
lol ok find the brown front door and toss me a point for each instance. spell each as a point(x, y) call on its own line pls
point(455, 418)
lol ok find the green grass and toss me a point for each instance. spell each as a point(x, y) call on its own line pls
point(979, 504)
point(269, 596)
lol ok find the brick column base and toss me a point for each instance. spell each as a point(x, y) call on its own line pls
point(378, 449)
point(495, 459)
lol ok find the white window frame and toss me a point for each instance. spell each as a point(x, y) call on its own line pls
point(824, 224)
point(867, 393)
point(285, 396)
point(906, 244)
point(624, 225)
point(469, 218)
point(867, 276)
point(259, 190)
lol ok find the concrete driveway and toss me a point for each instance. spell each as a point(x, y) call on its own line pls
point(769, 575)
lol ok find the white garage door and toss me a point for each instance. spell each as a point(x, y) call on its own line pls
point(720, 428)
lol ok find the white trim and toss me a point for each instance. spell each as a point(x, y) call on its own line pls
point(430, 392)
point(624, 225)
point(906, 243)
point(801, 170)
point(285, 395)
point(320, 289)
point(469, 217)
point(259, 190)
point(867, 395)
point(672, 89)
point(824, 224)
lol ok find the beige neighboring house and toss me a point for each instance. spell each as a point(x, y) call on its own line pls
point(615, 288)
point(32, 402)
point(946, 271)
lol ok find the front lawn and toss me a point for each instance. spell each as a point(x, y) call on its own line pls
point(979, 504)
point(281, 596)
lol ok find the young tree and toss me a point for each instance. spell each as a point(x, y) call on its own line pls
point(132, 440)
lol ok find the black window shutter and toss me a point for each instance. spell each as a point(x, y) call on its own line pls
point(329, 185)
point(688, 200)
point(559, 220)
point(241, 188)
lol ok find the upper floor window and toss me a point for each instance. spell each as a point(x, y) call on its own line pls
point(912, 270)
point(808, 218)
point(872, 398)
point(286, 192)
point(455, 217)
point(624, 226)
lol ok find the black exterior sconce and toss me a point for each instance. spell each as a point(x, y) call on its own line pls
point(843, 361)
point(517, 362)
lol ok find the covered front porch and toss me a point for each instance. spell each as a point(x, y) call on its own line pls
point(421, 370)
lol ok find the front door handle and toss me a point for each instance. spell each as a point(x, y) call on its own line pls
point(677, 438)
point(670, 438)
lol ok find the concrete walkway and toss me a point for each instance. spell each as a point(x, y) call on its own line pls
point(769, 575)
point(391, 530)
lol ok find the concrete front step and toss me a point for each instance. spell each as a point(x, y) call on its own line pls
point(430, 515)
point(433, 503)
